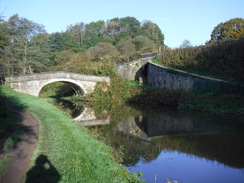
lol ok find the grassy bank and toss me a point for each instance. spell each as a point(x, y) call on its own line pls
point(67, 150)
point(207, 102)
point(223, 60)
point(123, 91)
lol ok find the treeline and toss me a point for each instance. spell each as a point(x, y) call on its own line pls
point(222, 56)
point(25, 47)
point(224, 59)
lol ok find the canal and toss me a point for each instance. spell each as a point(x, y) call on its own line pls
point(167, 145)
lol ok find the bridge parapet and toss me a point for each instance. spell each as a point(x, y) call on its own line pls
point(59, 74)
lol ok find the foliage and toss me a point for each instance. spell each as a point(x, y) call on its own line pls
point(152, 30)
point(130, 25)
point(214, 103)
point(224, 60)
point(229, 30)
point(3, 164)
point(20, 51)
point(26, 48)
point(144, 44)
point(93, 33)
point(127, 48)
point(118, 92)
point(103, 51)
point(186, 43)
point(62, 41)
point(157, 97)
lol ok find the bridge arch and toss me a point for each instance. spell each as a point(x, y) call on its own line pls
point(78, 90)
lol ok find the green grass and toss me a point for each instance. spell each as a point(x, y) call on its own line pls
point(3, 164)
point(67, 152)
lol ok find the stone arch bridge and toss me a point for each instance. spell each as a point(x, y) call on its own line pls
point(32, 84)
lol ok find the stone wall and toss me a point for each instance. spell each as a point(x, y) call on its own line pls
point(133, 70)
point(175, 79)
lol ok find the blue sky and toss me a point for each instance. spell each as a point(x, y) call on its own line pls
point(193, 20)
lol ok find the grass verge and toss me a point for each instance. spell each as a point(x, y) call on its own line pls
point(66, 152)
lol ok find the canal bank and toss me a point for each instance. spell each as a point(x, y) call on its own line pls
point(70, 152)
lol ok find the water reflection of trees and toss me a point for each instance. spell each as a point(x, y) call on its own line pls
point(214, 137)
point(225, 149)
point(69, 107)
point(217, 138)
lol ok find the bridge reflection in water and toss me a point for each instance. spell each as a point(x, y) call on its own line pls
point(88, 118)
point(165, 123)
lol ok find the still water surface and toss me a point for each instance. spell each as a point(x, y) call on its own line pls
point(170, 145)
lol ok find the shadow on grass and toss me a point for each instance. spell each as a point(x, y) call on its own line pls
point(11, 128)
point(43, 171)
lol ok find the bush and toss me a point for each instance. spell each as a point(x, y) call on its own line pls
point(224, 60)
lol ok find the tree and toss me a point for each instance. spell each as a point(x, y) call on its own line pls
point(94, 33)
point(126, 48)
point(130, 25)
point(3, 44)
point(152, 31)
point(77, 31)
point(63, 41)
point(21, 32)
point(229, 30)
point(42, 56)
point(144, 44)
point(103, 51)
point(185, 44)
point(113, 27)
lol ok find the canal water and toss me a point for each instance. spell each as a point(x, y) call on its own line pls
point(167, 145)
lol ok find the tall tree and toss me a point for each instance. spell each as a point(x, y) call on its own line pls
point(3, 43)
point(63, 41)
point(185, 44)
point(130, 25)
point(94, 33)
point(78, 32)
point(113, 27)
point(42, 55)
point(153, 32)
point(229, 30)
point(21, 31)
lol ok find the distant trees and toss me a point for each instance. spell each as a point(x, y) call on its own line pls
point(229, 30)
point(185, 44)
point(25, 46)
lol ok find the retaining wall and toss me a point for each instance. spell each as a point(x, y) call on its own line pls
point(175, 79)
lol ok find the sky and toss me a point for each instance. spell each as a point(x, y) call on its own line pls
point(179, 20)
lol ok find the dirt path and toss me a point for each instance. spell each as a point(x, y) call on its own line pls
point(16, 169)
